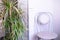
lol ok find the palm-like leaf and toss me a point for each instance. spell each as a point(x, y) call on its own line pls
point(12, 20)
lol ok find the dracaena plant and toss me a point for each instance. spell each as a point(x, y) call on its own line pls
point(12, 20)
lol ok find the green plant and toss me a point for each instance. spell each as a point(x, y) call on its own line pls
point(12, 20)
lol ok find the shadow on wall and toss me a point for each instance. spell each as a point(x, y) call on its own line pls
point(35, 37)
point(58, 38)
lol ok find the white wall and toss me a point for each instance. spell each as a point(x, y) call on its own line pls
point(52, 6)
point(57, 17)
point(23, 5)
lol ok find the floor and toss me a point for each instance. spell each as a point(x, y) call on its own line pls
point(1, 38)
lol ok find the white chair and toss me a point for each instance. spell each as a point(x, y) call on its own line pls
point(44, 19)
point(46, 36)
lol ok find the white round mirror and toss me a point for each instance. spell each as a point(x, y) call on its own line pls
point(43, 18)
